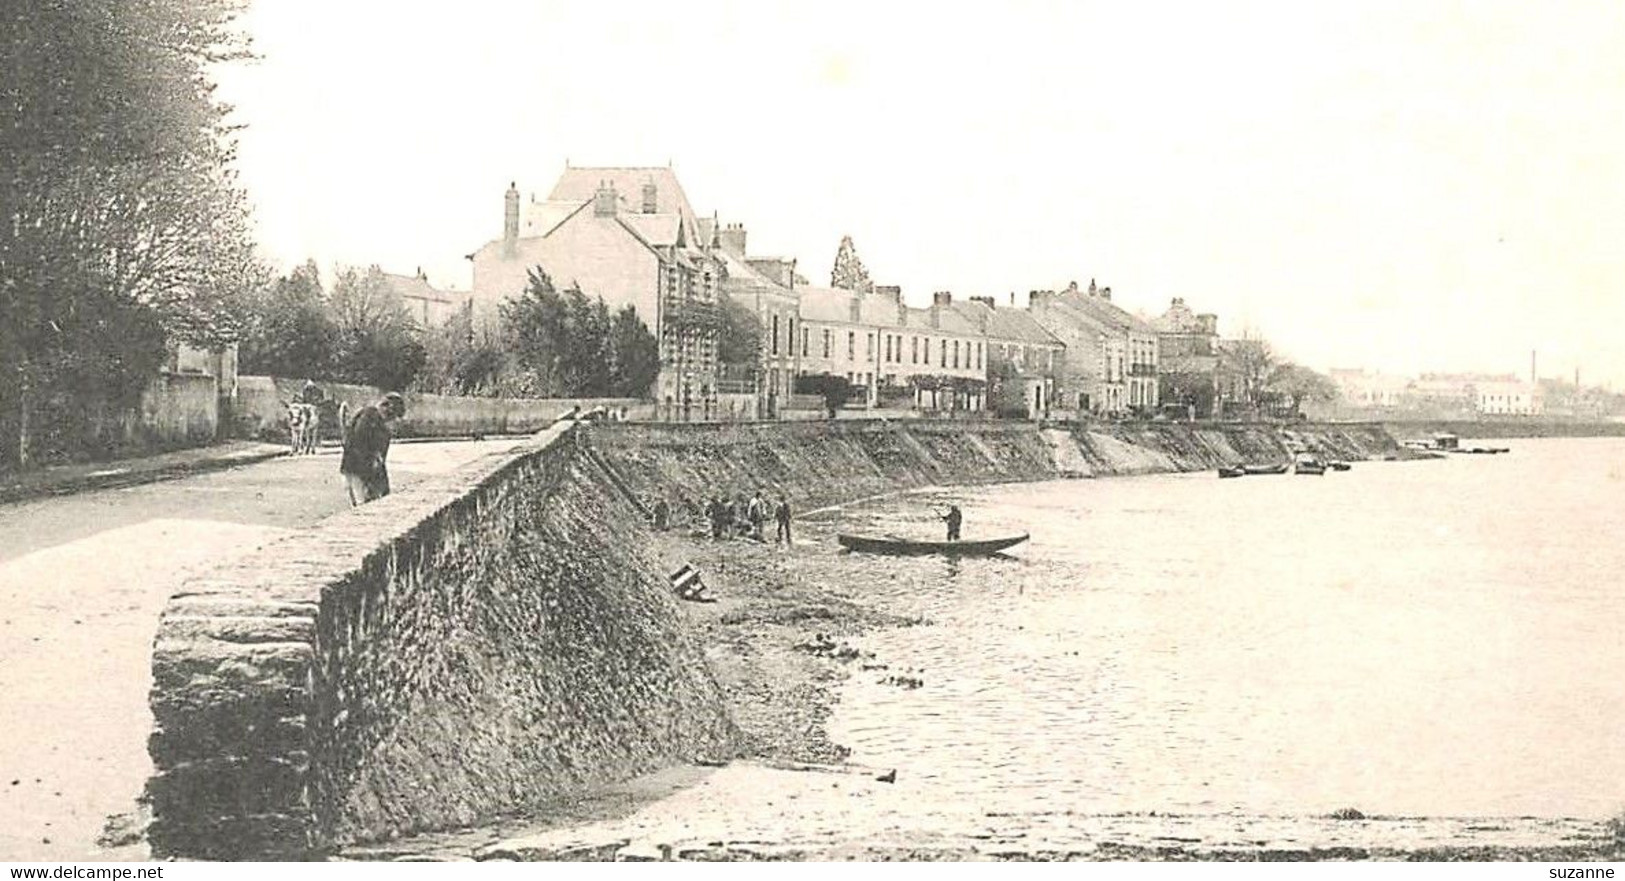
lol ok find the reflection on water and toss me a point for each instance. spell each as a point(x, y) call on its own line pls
point(1407, 638)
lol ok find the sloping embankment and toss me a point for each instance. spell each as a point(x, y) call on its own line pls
point(823, 463)
point(472, 647)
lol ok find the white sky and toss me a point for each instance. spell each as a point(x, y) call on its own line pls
point(1408, 186)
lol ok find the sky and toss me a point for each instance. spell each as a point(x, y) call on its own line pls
point(1401, 186)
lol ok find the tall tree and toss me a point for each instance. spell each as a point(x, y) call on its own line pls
point(377, 341)
point(287, 328)
point(739, 337)
point(121, 224)
point(1251, 359)
point(634, 354)
point(849, 273)
point(1295, 385)
point(564, 344)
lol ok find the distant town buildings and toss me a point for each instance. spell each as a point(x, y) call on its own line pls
point(428, 305)
point(630, 236)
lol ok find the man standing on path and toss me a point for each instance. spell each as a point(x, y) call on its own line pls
point(366, 447)
point(781, 514)
point(954, 518)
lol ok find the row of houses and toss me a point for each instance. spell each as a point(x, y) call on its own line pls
point(1439, 395)
point(631, 236)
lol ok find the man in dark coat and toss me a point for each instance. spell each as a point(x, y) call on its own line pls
point(366, 447)
point(781, 514)
point(954, 518)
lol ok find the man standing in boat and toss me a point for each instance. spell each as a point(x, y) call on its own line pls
point(954, 518)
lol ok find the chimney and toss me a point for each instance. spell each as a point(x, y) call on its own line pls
point(855, 307)
point(985, 301)
point(651, 198)
point(1532, 374)
point(1012, 299)
point(1038, 299)
point(942, 298)
point(603, 201)
point(510, 220)
point(1106, 294)
point(731, 238)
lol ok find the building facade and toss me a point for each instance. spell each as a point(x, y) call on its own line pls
point(894, 354)
point(767, 286)
point(629, 236)
point(1188, 360)
point(1023, 359)
point(429, 306)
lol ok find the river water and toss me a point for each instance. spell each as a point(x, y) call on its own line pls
point(1435, 638)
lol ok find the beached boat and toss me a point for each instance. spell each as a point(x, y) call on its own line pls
point(1338, 466)
point(1307, 464)
point(1232, 472)
point(914, 547)
point(1265, 469)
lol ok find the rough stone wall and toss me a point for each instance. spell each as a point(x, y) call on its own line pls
point(470, 648)
point(260, 410)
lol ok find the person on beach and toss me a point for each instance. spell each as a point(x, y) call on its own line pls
point(713, 512)
point(954, 519)
point(757, 511)
point(366, 449)
point(781, 514)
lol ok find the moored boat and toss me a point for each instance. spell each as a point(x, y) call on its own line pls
point(1265, 469)
point(1338, 466)
point(1233, 472)
point(911, 547)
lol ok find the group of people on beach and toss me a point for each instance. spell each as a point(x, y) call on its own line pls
point(746, 518)
point(736, 518)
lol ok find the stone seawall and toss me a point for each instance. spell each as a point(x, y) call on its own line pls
point(470, 648)
point(830, 462)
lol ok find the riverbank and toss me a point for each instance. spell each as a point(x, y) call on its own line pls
point(783, 639)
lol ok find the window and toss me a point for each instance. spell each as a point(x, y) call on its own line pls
point(826, 342)
point(851, 345)
point(886, 355)
point(978, 356)
point(942, 352)
point(868, 347)
point(914, 356)
point(804, 338)
point(775, 334)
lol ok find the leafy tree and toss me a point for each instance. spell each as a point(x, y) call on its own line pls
point(635, 356)
point(122, 226)
point(849, 273)
point(377, 341)
point(739, 338)
point(564, 344)
point(288, 331)
point(1251, 360)
point(459, 361)
point(1294, 385)
point(835, 390)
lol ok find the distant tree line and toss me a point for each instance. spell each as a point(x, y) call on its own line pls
point(545, 342)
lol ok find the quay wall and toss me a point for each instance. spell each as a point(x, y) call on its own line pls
point(1505, 428)
point(815, 464)
point(475, 646)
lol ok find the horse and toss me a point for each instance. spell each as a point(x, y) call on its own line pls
point(304, 424)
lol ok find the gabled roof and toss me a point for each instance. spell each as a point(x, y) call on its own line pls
point(657, 229)
point(542, 217)
point(947, 321)
point(826, 304)
point(1106, 311)
point(581, 184)
point(416, 287)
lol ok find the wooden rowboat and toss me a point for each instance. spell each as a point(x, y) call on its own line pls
point(1265, 469)
point(911, 547)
